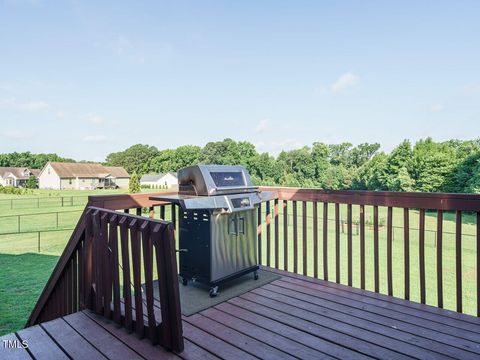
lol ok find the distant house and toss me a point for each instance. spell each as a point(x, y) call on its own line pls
point(166, 180)
point(16, 176)
point(82, 176)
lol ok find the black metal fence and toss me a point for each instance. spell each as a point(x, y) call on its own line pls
point(39, 202)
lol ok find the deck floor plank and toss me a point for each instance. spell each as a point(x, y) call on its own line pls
point(305, 338)
point(246, 343)
point(433, 313)
point(280, 342)
point(213, 344)
point(395, 329)
point(70, 340)
point(292, 317)
point(344, 340)
point(106, 343)
point(344, 326)
point(40, 344)
point(387, 316)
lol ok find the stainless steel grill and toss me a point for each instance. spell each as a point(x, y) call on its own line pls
point(218, 223)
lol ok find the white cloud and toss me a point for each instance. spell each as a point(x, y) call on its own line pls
point(94, 138)
point(471, 89)
point(60, 115)
point(14, 104)
point(345, 81)
point(262, 125)
point(437, 108)
point(16, 135)
point(95, 119)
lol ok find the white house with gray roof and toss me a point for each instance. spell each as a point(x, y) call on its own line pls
point(16, 176)
point(82, 176)
point(167, 180)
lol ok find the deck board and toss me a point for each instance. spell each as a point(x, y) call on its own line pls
point(292, 317)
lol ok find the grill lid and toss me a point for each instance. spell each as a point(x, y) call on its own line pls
point(224, 187)
point(208, 180)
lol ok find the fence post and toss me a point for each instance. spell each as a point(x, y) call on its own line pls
point(38, 240)
point(57, 220)
point(62, 201)
point(18, 223)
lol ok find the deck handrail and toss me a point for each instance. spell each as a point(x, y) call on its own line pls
point(310, 200)
point(105, 248)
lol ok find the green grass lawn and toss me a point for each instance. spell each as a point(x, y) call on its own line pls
point(24, 272)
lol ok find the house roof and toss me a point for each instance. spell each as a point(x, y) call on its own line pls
point(17, 172)
point(71, 170)
point(117, 171)
point(156, 177)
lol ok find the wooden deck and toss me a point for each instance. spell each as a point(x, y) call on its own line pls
point(293, 317)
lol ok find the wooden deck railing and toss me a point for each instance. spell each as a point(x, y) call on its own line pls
point(107, 251)
point(372, 257)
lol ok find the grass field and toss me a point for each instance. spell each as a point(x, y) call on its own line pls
point(23, 272)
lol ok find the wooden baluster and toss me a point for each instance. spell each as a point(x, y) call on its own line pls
point(138, 211)
point(127, 290)
point(268, 219)
point(285, 235)
point(259, 233)
point(362, 246)
point(276, 235)
point(421, 255)
point(87, 257)
point(315, 239)
point(478, 264)
point(151, 212)
point(148, 271)
point(114, 264)
point(137, 277)
point(97, 261)
point(157, 240)
point(337, 243)
point(70, 285)
point(375, 250)
point(295, 239)
point(174, 310)
point(81, 275)
point(349, 245)
point(389, 251)
point(107, 277)
point(162, 212)
point(75, 281)
point(173, 211)
point(458, 255)
point(406, 251)
point(304, 237)
point(325, 241)
point(440, 258)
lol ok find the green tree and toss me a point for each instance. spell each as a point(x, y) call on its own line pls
point(32, 182)
point(134, 184)
point(137, 158)
point(432, 164)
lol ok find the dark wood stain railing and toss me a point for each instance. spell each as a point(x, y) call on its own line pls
point(105, 244)
point(423, 202)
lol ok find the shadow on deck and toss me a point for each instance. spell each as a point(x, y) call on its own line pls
point(292, 317)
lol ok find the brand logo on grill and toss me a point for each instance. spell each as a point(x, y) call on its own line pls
point(228, 178)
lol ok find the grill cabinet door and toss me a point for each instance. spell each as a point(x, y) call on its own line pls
point(223, 246)
point(246, 239)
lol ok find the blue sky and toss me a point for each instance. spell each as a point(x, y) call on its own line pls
point(83, 79)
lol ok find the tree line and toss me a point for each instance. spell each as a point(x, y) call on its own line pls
point(426, 166)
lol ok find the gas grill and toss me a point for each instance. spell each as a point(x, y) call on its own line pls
point(218, 223)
